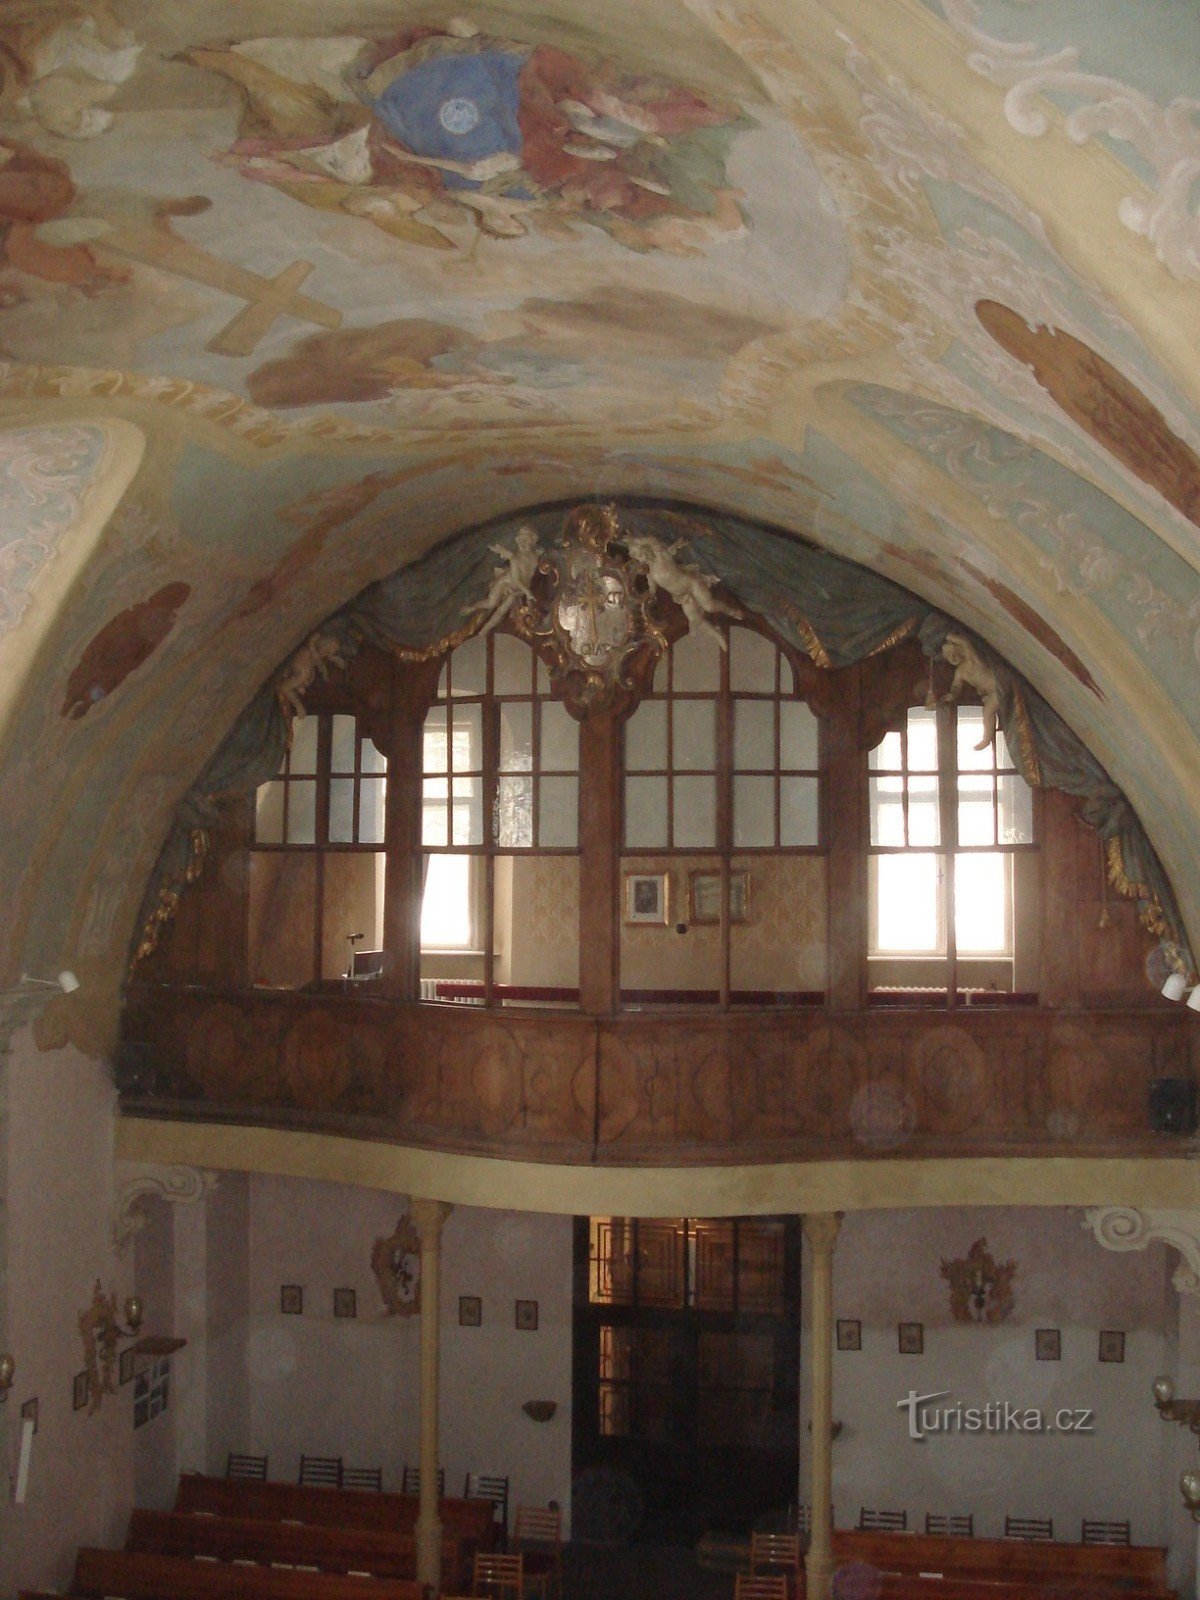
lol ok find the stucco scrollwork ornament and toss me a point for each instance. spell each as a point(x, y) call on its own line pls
point(1124, 1228)
point(586, 603)
point(981, 1288)
point(396, 1263)
point(137, 1182)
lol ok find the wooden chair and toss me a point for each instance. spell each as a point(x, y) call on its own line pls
point(321, 1472)
point(760, 1586)
point(950, 1526)
point(362, 1478)
point(774, 1552)
point(488, 1486)
point(498, 1574)
point(412, 1481)
point(537, 1535)
point(242, 1466)
point(1029, 1528)
point(1104, 1532)
point(883, 1521)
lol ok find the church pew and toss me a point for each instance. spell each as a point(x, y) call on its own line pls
point(380, 1552)
point(137, 1576)
point(912, 1586)
point(1134, 1570)
point(470, 1521)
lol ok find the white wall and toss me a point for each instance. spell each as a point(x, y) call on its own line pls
point(326, 1386)
point(59, 1240)
point(887, 1270)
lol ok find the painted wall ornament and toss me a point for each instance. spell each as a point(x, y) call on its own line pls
point(440, 131)
point(396, 1263)
point(980, 1286)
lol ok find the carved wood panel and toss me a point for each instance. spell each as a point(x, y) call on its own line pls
point(660, 1089)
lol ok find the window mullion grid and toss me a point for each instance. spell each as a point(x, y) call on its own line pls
point(724, 839)
point(321, 832)
point(670, 751)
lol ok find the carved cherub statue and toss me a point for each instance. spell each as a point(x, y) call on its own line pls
point(970, 671)
point(688, 586)
point(319, 653)
point(511, 582)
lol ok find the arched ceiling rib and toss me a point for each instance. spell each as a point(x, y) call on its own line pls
point(360, 281)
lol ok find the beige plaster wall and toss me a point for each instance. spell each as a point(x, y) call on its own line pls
point(887, 1270)
point(59, 1238)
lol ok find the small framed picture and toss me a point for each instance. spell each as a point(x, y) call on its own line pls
point(704, 896)
point(911, 1338)
point(79, 1391)
point(647, 896)
point(1047, 1344)
point(849, 1334)
point(1112, 1344)
point(126, 1366)
point(291, 1299)
point(470, 1311)
point(29, 1412)
point(527, 1315)
point(345, 1303)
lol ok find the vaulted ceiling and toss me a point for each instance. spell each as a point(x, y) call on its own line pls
point(290, 291)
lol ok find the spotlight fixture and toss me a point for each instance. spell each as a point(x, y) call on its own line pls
point(8, 1369)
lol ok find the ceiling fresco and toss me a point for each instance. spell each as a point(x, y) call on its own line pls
point(290, 292)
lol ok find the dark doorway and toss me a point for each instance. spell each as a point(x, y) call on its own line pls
point(686, 1373)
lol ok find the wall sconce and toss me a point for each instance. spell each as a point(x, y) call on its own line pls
point(8, 1368)
point(1172, 1410)
point(540, 1410)
point(102, 1333)
point(66, 981)
point(1189, 1487)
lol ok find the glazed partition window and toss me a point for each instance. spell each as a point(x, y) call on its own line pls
point(723, 876)
point(952, 884)
point(500, 833)
point(316, 871)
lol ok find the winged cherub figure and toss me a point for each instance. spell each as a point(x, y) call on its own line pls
point(511, 582)
point(971, 672)
point(690, 589)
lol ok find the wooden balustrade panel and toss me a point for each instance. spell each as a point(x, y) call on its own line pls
point(661, 1088)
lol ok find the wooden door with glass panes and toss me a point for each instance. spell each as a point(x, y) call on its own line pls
point(687, 1367)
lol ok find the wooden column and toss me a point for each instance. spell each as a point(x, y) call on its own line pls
point(820, 1233)
point(599, 864)
point(429, 1216)
point(413, 690)
point(1060, 837)
point(846, 832)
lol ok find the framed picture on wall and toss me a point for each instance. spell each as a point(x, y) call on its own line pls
point(849, 1334)
point(911, 1338)
point(470, 1311)
point(291, 1299)
point(79, 1391)
point(345, 1303)
point(1112, 1344)
point(527, 1315)
point(1047, 1344)
point(647, 896)
point(704, 896)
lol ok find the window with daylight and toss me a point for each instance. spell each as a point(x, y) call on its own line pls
point(721, 771)
point(950, 823)
point(500, 830)
point(317, 860)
